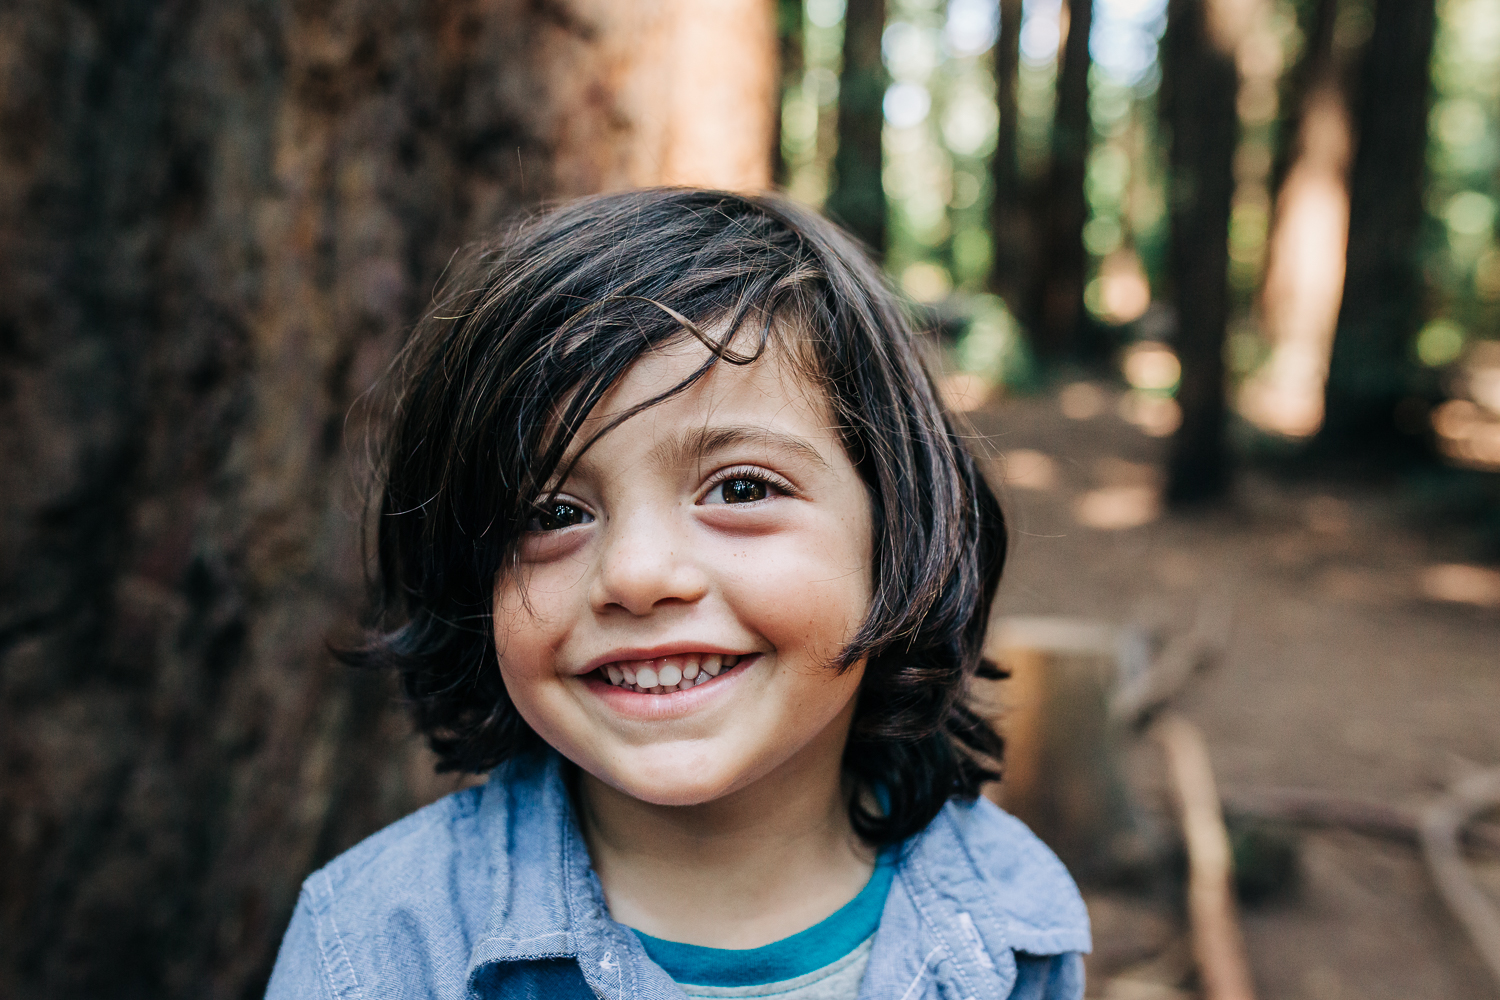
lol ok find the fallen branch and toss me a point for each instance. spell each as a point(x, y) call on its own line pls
point(1441, 823)
point(1310, 807)
point(1218, 945)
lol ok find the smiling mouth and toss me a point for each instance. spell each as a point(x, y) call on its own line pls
point(667, 674)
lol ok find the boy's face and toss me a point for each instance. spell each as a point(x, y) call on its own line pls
point(720, 541)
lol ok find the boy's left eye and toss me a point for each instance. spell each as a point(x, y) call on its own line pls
point(558, 515)
point(742, 489)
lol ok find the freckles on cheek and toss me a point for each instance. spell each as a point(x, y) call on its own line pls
point(521, 633)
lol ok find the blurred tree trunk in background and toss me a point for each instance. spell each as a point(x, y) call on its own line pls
point(1009, 227)
point(1055, 309)
point(1199, 88)
point(792, 65)
point(709, 83)
point(1316, 68)
point(1303, 278)
point(1370, 371)
point(215, 223)
point(858, 196)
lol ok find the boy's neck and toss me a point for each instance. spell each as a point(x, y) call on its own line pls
point(752, 867)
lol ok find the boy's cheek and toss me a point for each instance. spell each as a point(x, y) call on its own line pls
point(534, 609)
point(804, 600)
point(549, 707)
point(526, 657)
point(535, 587)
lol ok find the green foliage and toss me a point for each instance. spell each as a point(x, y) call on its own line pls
point(1460, 254)
point(991, 345)
point(941, 122)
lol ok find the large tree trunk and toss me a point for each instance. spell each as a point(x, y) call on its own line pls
point(1009, 227)
point(858, 196)
point(1055, 309)
point(714, 62)
point(1306, 247)
point(215, 221)
point(1370, 370)
point(1200, 84)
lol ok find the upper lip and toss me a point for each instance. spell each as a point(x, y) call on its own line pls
point(657, 652)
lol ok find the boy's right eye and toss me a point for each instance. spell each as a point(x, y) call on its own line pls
point(557, 515)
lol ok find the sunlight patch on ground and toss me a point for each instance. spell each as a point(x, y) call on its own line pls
point(1155, 416)
point(965, 392)
point(1115, 508)
point(1080, 401)
point(1130, 988)
point(1467, 434)
point(1459, 583)
point(1029, 470)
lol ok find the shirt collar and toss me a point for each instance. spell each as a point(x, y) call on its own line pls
point(525, 815)
point(973, 889)
point(547, 900)
point(992, 865)
point(977, 886)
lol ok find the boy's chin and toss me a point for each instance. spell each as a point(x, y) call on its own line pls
point(675, 787)
point(680, 797)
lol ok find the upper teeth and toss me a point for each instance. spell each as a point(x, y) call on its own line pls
point(668, 673)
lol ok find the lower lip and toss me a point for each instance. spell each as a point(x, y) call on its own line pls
point(640, 705)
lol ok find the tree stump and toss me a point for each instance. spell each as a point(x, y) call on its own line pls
point(1062, 749)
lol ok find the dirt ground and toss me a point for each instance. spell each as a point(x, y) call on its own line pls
point(1363, 658)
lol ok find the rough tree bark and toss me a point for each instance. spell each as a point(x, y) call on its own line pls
point(1199, 88)
point(1009, 226)
point(215, 220)
point(1370, 370)
point(1056, 300)
point(858, 196)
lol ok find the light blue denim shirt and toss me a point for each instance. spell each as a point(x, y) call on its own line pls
point(489, 893)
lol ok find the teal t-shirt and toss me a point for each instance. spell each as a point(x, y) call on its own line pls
point(821, 946)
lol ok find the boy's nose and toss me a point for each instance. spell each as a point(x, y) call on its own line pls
point(645, 562)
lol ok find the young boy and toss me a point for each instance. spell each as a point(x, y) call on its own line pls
point(677, 543)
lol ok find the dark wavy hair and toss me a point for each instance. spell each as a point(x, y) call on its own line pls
point(530, 334)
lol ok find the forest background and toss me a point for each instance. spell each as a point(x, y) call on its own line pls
point(1270, 223)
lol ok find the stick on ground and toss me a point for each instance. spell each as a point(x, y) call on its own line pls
point(1218, 945)
point(1442, 823)
point(1316, 808)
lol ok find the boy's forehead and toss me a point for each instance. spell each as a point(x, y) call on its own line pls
point(770, 401)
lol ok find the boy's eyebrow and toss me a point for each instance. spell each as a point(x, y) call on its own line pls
point(685, 448)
